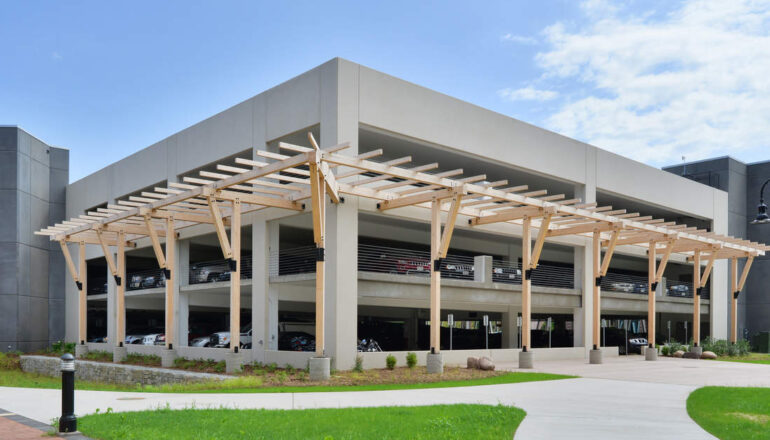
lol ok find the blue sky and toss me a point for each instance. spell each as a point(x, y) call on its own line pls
point(652, 80)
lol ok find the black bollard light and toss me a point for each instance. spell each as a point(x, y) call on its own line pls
point(68, 422)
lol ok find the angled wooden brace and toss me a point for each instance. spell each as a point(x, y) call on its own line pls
point(328, 177)
point(745, 274)
point(219, 225)
point(664, 261)
point(609, 252)
point(156, 245)
point(707, 271)
point(541, 235)
point(108, 255)
point(71, 265)
point(449, 226)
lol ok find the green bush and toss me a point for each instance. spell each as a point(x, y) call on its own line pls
point(61, 347)
point(390, 362)
point(9, 361)
point(672, 347)
point(411, 360)
point(722, 347)
point(359, 367)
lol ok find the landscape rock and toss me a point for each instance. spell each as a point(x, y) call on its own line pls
point(708, 355)
point(473, 363)
point(486, 364)
point(678, 354)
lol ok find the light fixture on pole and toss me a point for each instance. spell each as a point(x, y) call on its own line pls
point(762, 216)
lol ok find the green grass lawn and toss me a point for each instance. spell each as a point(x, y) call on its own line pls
point(732, 413)
point(420, 422)
point(253, 384)
point(751, 358)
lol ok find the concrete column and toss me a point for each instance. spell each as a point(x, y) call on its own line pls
point(511, 328)
point(181, 300)
point(719, 299)
point(264, 297)
point(112, 312)
point(583, 261)
point(339, 123)
point(482, 269)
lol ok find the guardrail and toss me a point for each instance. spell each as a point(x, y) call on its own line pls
point(682, 289)
point(625, 283)
point(383, 259)
point(504, 271)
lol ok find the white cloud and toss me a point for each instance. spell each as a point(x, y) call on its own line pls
point(527, 94)
point(518, 39)
point(694, 82)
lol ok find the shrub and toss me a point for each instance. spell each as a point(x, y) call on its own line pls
point(9, 361)
point(98, 355)
point(672, 347)
point(411, 360)
point(390, 362)
point(61, 347)
point(359, 367)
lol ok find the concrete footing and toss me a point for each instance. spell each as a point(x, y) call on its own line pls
point(233, 362)
point(697, 350)
point(119, 354)
point(81, 350)
point(320, 368)
point(526, 359)
point(651, 354)
point(167, 358)
point(435, 363)
point(595, 357)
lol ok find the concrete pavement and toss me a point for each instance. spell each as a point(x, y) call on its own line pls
point(623, 398)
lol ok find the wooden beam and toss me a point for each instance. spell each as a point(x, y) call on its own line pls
point(651, 285)
point(734, 300)
point(120, 334)
point(581, 229)
point(435, 276)
point(597, 258)
point(417, 199)
point(220, 227)
point(328, 177)
point(508, 215)
point(254, 199)
point(318, 203)
point(540, 241)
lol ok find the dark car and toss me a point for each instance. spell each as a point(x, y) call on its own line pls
point(296, 341)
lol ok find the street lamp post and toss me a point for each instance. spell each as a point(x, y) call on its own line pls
point(762, 216)
point(68, 422)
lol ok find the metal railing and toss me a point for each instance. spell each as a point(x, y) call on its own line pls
point(217, 270)
point(682, 289)
point(504, 271)
point(293, 261)
point(96, 286)
point(618, 282)
point(383, 259)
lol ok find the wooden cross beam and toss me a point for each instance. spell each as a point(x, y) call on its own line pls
point(323, 167)
point(540, 241)
point(508, 215)
point(418, 198)
point(745, 273)
point(608, 253)
point(108, 255)
point(220, 227)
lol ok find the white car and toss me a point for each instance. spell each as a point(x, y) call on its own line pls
point(204, 341)
point(150, 339)
point(134, 339)
point(223, 338)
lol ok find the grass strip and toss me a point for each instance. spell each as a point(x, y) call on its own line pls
point(732, 413)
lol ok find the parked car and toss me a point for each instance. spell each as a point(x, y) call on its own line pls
point(208, 274)
point(152, 281)
point(222, 339)
point(203, 341)
point(135, 282)
point(679, 290)
point(622, 287)
point(99, 339)
point(459, 269)
point(160, 339)
point(150, 339)
point(409, 266)
point(506, 274)
point(640, 288)
point(636, 344)
point(296, 341)
point(134, 339)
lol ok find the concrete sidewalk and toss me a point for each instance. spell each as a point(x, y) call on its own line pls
point(573, 408)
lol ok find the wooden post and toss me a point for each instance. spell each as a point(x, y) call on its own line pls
point(318, 200)
point(82, 292)
point(734, 300)
point(120, 334)
point(435, 276)
point(235, 277)
point(526, 283)
point(597, 254)
point(170, 281)
point(696, 298)
point(651, 287)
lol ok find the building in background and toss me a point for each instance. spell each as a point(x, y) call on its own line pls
point(33, 184)
point(742, 182)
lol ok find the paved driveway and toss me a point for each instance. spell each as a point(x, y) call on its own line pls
point(623, 398)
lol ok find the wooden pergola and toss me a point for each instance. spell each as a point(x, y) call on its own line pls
point(286, 181)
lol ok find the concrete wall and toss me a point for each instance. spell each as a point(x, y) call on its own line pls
point(33, 178)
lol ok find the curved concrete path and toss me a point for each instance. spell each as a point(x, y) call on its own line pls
point(629, 404)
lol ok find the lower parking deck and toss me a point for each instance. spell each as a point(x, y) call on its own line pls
point(393, 316)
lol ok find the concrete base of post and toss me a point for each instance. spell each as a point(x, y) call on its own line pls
point(81, 350)
point(595, 357)
point(119, 354)
point(320, 368)
point(233, 362)
point(434, 363)
point(697, 350)
point(651, 354)
point(526, 359)
point(167, 358)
